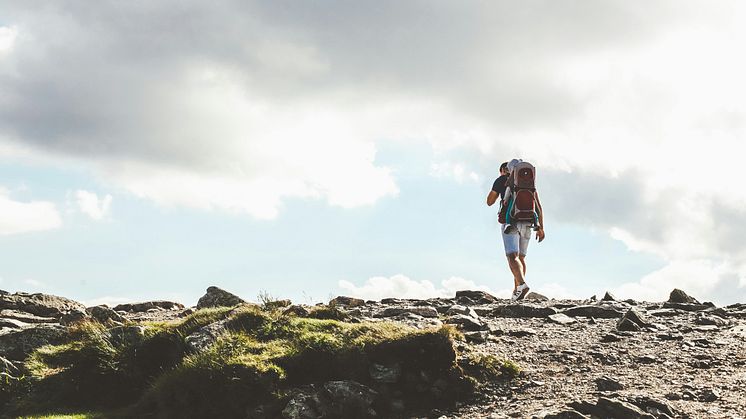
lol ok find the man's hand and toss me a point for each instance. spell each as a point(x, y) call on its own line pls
point(540, 234)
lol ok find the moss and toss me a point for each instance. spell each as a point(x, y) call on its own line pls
point(260, 358)
point(328, 312)
point(490, 367)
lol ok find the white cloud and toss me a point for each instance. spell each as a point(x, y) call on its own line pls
point(93, 206)
point(401, 286)
point(8, 35)
point(23, 217)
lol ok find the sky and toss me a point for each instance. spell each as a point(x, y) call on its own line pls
point(305, 150)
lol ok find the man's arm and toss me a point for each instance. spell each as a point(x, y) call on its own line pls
point(491, 198)
point(540, 231)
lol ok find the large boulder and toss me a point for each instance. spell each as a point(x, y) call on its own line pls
point(26, 317)
point(17, 345)
point(104, 314)
point(679, 296)
point(346, 301)
point(216, 297)
point(44, 305)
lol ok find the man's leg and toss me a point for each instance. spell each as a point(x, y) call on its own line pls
point(522, 260)
point(516, 268)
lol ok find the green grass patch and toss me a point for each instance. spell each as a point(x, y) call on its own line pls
point(258, 360)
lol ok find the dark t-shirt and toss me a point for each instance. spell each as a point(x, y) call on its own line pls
point(500, 185)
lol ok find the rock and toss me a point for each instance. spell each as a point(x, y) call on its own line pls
point(385, 373)
point(277, 304)
point(706, 320)
point(665, 312)
point(12, 324)
point(654, 406)
point(296, 310)
point(335, 399)
point(688, 306)
point(420, 311)
point(521, 333)
point(457, 309)
point(44, 305)
point(647, 359)
point(104, 314)
point(466, 322)
point(561, 318)
point(565, 414)
point(597, 311)
point(708, 395)
point(608, 297)
point(524, 311)
point(679, 296)
point(25, 317)
point(606, 383)
point(610, 408)
point(480, 297)
point(74, 316)
point(627, 325)
point(477, 337)
point(216, 297)
point(16, 345)
point(147, 306)
point(205, 336)
point(347, 301)
point(535, 296)
point(632, 321)
point(610, 337)
point(127, 335)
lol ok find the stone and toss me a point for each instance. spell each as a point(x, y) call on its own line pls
point(480, 297)
point(708, 395)
point(458, 309)
point(104, 314)
point(26, 317)
point(654, 406)
point(631, 321)
point(565, 414)
point(12, 323)
point(536, 296)
point(688, 306)
point(561, 318)
point(610, 337)
point(127, 335)
point(74, 316)
point(423, 311)
point(519, 333)
point(647, 359)
point(610, 408)
point(348, 399)
point(347, 301)
point(665, 312)
point(385, 373)
point(38, 304)
point(597, 311)
point(679, 296)
point(216, 297)
point(466, 322)
point(296, 310)
point(16, 345)
point(608, 297)
point(606, 383)
point(524, 311)
point(205, 336)
point(480, 336)
point(705, 320)
point(146, 306)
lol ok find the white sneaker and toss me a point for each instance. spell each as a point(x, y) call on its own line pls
point(521, 291)
point(516, 294)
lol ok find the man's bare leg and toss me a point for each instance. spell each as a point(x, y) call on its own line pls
point(522, 259)
point(517, 267)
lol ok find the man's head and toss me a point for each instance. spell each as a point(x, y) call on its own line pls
point(504, 169)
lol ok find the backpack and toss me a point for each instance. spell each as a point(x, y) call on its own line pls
point(519, 204)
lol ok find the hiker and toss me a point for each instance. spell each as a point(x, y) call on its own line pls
point(526, 215)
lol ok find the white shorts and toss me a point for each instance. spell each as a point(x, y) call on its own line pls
point(517, 241)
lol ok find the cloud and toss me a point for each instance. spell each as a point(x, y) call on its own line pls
point(24, 217)
point(93, 206)
point(632, 112)
point(401, 286)
point(8, 36)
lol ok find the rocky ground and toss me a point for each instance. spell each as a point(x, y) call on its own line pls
point(600, 358)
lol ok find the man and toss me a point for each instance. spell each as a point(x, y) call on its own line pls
point(517, 238)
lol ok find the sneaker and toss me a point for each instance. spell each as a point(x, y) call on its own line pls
point(515, 295)
point(522, 290)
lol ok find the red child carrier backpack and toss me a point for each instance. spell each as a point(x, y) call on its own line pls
point(520, 197)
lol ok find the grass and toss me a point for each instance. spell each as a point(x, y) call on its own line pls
point(257, 361)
